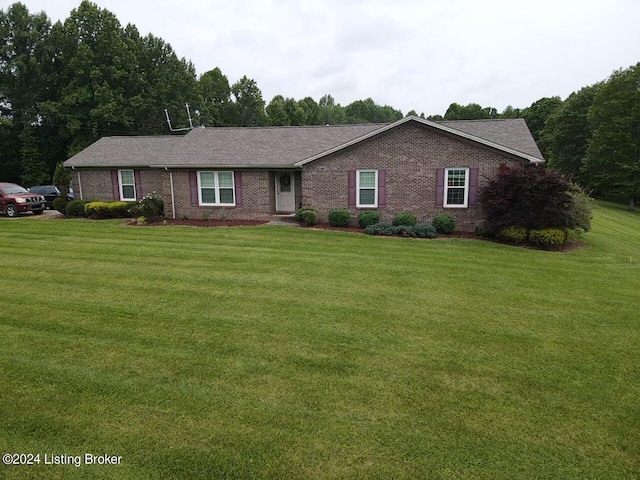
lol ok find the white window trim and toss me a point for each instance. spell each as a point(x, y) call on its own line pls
point(217, 189)
point(375, 190)
point(122, 197)
point(446, 187)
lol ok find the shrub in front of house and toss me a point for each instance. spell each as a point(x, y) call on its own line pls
point(60, 204)
point(405, 231)
point(420, 230)
point(513, 234)
point(424, 230)
point(380, 228)
point(481, 231)
point(309, 217)
point(444, 223)
point(581, 208)
point(368, 218)
point(339, 217)
point(300, 212)
point(75, 208)
point(102, 210)
point(151, 206)
point(548, 238)
point(404, 218)
point(528, 196)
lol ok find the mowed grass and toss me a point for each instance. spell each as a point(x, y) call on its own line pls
point(274, 352)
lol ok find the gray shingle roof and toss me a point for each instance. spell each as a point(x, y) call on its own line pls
point(512, 133)
point(273, 147)
point(267, 145)
point(126, 151)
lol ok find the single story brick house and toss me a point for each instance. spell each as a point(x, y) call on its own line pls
point(252, 173)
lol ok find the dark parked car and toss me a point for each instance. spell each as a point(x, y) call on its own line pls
point(50, 193)
point(15, 200)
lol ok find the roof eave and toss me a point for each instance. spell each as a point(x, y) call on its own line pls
point(191, 167)
point(230, 167)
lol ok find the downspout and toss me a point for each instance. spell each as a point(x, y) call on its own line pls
point(79, 182)
point(173, 197)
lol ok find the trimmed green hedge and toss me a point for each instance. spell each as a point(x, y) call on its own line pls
point(75, 208)
point(339, 217)
point(102, 210)
point(513, 234)
point(405, 218)
point(368, 218)
point(300, 212)
point(548, 237)
point(444, 223)
point(60, 203)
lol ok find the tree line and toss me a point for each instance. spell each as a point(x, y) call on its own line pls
point(65, 85)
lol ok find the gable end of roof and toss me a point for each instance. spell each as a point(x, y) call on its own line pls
point(428, 123)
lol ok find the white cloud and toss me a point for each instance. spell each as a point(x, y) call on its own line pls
point(410, 54)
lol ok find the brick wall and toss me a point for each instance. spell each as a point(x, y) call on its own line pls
point(92, 185)
point(96, 183)
point(411, 154)
point(256, 204)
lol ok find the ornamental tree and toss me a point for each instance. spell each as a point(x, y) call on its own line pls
point(527, 196)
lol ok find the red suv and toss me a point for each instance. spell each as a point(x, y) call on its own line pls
point(15, 200)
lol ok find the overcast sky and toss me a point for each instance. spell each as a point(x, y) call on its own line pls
point(410, 54)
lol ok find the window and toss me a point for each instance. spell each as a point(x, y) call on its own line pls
point(216, 188)
point(366, 188)
point(456, 187)
point(127, 185)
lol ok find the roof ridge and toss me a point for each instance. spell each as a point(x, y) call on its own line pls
point(143, 136)
point(276, 127)
point(479, 120)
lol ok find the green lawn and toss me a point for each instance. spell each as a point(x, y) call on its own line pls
point(274, 352)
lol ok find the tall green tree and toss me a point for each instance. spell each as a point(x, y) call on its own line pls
point(567, 133)
point(10, 152)
point(24, 56)
point(472, 111)
point(612, 164)
point(62, 179)
point(248, 107)
point(286, 111)
point(367, 111)
point(330, 112)
point(23, 52)
point(277, 112)
point(536, 116)
point(111, 81)
point(95, 68)
point(311, 110)
point(510, 112)
point(295, 112)
point(215, 99)
point(34, 169)
point(162, 81)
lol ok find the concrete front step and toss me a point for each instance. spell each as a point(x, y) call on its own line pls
point(284, 219)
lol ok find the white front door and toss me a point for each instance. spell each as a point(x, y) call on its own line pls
point(285, 192)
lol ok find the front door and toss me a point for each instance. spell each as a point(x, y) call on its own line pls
point(285, 192)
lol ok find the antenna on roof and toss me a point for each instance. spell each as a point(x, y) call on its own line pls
point(190, 127)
